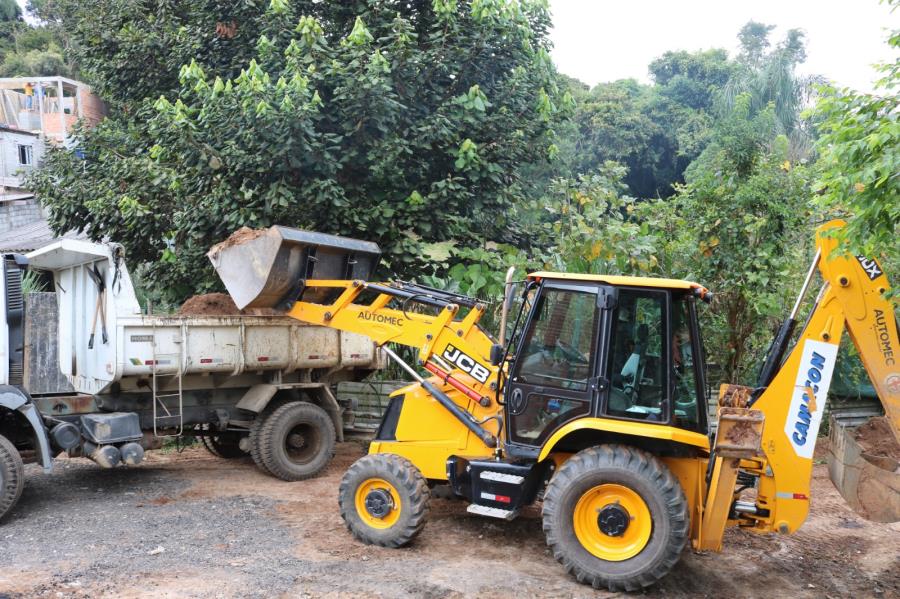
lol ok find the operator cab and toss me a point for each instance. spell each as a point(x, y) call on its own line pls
point(621, 348)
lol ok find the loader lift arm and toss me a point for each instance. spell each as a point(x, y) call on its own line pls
point(456, 352)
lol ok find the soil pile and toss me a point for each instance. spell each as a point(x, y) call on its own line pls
point(210, 304)
point(876, 438)
point(242, 235)
point(220, 304)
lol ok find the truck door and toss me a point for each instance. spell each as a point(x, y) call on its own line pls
point(554, 376)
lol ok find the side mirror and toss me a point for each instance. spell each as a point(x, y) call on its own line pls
point(497, 352)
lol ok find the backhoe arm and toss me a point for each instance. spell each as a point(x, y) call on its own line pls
point(793, 403)
point(859, 284)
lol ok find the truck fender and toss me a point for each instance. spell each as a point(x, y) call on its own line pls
point(17, 400)
point(258, 397)
point(328, 402)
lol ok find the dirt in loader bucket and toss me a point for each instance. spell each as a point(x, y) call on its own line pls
point(267, 268)
point(876, 439)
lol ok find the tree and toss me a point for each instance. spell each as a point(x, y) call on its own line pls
point(403, 123)
point(10, 10)
point(769, 79)
point(859, 162)
point(740, 226)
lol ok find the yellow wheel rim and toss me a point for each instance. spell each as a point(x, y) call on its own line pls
point(377, 485)
point(622, 504)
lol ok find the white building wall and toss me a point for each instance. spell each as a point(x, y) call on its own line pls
point(11, 170)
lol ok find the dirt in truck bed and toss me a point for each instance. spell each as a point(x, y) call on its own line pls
point(209, 304)
point(191, 525)
point(876, 438)
point(220, 304)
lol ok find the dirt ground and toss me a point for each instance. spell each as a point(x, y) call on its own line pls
point(193, 525)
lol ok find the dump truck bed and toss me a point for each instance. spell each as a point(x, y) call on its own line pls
point(198, 347)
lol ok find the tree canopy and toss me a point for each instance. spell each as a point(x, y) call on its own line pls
point(404, 123)
point(441, 130)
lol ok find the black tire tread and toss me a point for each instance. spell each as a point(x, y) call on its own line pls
point(13, 476)
point(263, 443)
point(226, 450)
point(409, 482)
point(655, 472)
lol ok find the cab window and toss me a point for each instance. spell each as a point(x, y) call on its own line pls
point(560, 340)
point(685, 399)
point(637, 367)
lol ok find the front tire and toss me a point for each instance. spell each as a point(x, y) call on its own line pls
point(293, 442)
point(384, 500)
point(616, 517)
point(12, 476)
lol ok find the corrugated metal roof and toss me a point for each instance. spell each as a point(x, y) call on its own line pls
point(31, 237)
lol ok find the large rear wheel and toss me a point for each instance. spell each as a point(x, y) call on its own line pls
point(616, 517)
point(12, 476)
point(293, 442)
point(384, 499)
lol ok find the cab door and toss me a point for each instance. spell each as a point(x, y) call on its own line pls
point(554, 376)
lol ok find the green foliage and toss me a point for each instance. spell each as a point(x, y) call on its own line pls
point(741, 226)
point(653, 130)
point(403, 124)
point(10, 10)
point(859, 162)
point(768, 78)
point(30, 50)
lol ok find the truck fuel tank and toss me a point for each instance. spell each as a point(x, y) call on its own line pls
point(266, 268)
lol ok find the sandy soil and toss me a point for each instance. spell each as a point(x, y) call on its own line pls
point(228, 530)
point(209, 304)
point(875, 438)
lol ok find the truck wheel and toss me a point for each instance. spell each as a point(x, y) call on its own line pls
point(12, 476)
point(225, 446)
point(384, 499)
point(294, 441)
point(615, 517)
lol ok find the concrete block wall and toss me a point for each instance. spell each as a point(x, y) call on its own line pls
point(18, 213)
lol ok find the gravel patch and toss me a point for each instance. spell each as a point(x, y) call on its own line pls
point(110, 525)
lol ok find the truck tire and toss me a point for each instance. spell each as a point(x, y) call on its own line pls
point(615, 517)
point(226, 446)
point(384, 500)
point(12, 476)
point(293, 442)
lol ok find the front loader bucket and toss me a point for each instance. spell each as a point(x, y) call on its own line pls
point(266, 268)
point(869, 483)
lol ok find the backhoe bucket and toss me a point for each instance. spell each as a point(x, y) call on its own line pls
point(267, 268)
point(870, 483)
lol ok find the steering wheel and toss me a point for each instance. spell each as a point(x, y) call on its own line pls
point(572, 354)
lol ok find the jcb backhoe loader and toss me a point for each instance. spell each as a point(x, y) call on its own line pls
point(594, 405)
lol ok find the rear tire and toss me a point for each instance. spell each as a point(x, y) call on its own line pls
point(384, 500)
point(620, 503)
point(12, 476)
point(293, 442)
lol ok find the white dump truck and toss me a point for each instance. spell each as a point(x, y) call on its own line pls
point(84, 371)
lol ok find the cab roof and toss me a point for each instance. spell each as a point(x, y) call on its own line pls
point(619, 281)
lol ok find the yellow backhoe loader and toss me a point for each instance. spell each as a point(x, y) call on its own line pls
point(594, 404)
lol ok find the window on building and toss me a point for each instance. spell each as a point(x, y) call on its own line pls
point(26, 155)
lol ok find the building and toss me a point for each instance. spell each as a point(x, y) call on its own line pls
point(48, 105)
point(34, 112)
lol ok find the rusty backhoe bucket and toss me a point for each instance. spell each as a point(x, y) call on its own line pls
point(868, 479)
point(267, 268)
